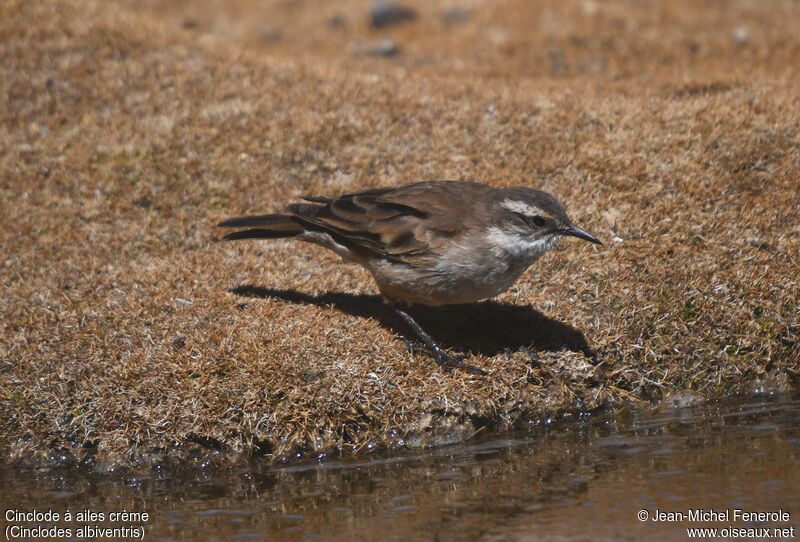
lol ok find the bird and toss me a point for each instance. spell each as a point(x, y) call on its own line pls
point(427, 243)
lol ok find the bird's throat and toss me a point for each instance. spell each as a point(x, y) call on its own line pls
point(507, 244)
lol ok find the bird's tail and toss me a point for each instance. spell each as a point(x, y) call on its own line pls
point(262, 227)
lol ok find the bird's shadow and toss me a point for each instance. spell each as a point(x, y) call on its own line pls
point(486, 328)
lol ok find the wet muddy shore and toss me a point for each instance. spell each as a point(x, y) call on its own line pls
point(557, 480)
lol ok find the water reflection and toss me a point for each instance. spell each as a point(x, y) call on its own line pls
point(578, 480)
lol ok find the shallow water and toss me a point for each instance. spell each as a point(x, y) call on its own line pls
point(584, 479)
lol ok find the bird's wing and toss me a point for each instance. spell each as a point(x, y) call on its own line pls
point(400, 223)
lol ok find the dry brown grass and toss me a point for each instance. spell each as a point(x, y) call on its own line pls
point(670, 129)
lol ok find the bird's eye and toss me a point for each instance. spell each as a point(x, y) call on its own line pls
point(538, 221)
point(531, 221)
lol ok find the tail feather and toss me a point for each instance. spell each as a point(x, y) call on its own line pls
point(271, 227)
point(257, 233)
point(256, 220)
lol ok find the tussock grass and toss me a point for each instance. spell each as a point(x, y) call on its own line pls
point(127, 332)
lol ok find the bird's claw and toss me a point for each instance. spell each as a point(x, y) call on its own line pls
point(444, 359)
point(449, 361)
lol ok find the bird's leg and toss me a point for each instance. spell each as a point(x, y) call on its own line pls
point(443, 358)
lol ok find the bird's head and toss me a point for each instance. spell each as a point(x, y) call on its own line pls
point(535, 220)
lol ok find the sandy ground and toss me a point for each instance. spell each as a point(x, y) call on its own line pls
point(127, 130)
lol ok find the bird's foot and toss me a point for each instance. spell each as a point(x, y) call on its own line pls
point(449, 361)
point(445, 359)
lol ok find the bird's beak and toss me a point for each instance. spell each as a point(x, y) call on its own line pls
point(575, 231)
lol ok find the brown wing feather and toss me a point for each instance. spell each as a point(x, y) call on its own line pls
point(396, 223)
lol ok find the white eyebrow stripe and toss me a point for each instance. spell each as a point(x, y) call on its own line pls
point(516, 206)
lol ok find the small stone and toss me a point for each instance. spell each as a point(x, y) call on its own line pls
point(338, 21)
point(455, 15)
point(385, 48)
point(385, 14)
point(271, 35)
point(741, 35)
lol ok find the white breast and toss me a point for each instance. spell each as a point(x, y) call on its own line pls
point(473, 269)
